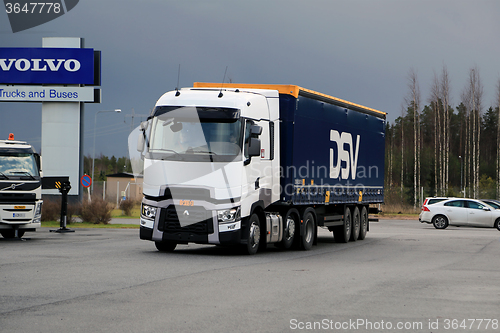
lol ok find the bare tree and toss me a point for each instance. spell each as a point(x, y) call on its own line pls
point(445, 93)
point(402, 148)
point(472, 99)
point(465, 96)
point(414, 102)
point(477, 95)
point(434, 101)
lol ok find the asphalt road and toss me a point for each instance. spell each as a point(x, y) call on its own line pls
point(403, 275)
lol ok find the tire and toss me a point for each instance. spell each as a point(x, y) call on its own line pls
point(342, 233)
point(9, 234)
point(355, 224)
point(165, 246)
point(497, 224)
point(291, 224)
point(363, 223)
point(307, 239)
point(254, 235)
point(440, 222)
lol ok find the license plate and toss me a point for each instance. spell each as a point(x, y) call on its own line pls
point(18, 214)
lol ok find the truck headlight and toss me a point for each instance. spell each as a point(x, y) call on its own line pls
point(148, 212)
point(38, 213)
point(38, 210)
point(228, 215)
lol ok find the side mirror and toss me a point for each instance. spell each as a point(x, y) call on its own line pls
point(176, 127)
point(254, 147)
point(486, 209)
point(142, 136)
point(256, 130)
point(38, 160)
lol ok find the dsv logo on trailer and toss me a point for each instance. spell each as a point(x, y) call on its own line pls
point(347, 160)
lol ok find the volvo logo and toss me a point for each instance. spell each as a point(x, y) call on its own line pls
point(12, 187)
point(53, 65)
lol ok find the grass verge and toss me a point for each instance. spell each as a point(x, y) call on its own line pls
point(118, 213)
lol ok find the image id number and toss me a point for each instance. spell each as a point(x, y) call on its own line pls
point(470, 324)
point(33, 8)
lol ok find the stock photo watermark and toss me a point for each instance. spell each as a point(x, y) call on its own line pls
point(25, 14)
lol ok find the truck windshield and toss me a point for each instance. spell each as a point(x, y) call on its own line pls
point(13, 165)
point(196, 134)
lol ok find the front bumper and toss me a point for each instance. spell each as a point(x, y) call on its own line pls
point(196, 223)
point(24, 226)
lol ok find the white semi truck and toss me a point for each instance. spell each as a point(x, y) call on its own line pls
point(20, 188)
point(253, 165)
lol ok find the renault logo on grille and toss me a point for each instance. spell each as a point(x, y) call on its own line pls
point(186, 213)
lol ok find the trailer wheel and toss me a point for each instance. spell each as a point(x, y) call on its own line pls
point(165, 246)
point(363, 223)
point(291, 225)
point(307, 238)
point(355, 224)
point(253, 234)
point(9, 234)
point(342, 233)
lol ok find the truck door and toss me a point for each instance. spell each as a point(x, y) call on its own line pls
point(257, 181)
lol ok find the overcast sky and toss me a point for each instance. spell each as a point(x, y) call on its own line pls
point(358, 50)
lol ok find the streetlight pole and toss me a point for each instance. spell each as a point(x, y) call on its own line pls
point(93, 156)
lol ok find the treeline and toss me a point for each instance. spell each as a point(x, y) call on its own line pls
point(446, 150)
point(104, 165)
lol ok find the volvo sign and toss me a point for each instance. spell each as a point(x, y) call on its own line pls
point(47, 66)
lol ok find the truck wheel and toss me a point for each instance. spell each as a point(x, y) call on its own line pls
point(166, 246)
point(9, 234)
point(363, 223)
point(253, 234)
point(291, 225)
point(307, 238)
point(343, 232)
point(355, 224)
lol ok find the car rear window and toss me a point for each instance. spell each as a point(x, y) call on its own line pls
point(434, 200)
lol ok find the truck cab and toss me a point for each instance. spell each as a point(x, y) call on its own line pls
point(20, 188)
point(207, 162)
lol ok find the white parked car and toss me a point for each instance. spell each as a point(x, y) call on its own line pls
point(460, 212)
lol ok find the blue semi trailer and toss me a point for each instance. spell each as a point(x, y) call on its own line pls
point(251, 165)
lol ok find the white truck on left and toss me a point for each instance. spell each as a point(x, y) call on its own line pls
point(20, 188)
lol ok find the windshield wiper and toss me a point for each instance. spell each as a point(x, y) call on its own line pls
point(3, 175)
point(170, 150)
point(203, 151)
point(25, 173)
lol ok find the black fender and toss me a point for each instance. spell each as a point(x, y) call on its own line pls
point(258, 207)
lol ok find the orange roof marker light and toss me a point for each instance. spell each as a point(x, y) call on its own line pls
point(11, 136)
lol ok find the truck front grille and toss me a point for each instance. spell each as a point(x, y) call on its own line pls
point(196, 220)
point(18, 198)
